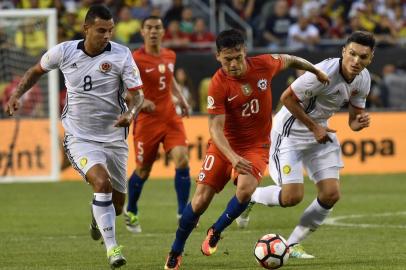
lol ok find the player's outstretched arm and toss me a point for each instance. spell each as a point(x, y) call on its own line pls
point(177, 92)
point(216, 129)
point(300, 63)
point(134, 102)
point(291, 102)
point(358, 119)
point(30, 77)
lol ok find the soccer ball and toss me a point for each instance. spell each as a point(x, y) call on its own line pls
point(271, 251)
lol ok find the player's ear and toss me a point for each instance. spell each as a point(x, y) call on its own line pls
point(343, 51)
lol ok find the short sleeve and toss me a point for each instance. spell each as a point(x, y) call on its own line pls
point(216, 97)
point(307, 86)
point(131, 74)
point(358, 97)
point(275, 63)
point(52, 59)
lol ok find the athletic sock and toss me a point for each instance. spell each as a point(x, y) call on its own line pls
point(135, 185)
point(187, 223)
point(233, 210)
point(182, 187)
point(312, 218)
point(268, 195)
point(105, 216)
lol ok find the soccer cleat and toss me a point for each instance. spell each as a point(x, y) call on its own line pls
point(297, 251)
point(244, 218)
point(132, 222)
point(209, 245)
point(115, 257)
point(173, 261)
point(94, 229)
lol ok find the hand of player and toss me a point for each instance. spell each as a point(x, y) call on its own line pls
point(124, 120)
point(12, 105)
point(148, 106)
point(321, 134)
point(322, 77)
point(362, 121)
point(241, 165)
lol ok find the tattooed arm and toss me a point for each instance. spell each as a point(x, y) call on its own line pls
point(300, 63)
point(30, 77)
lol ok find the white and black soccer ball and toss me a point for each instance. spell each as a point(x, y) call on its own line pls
point(271, 251)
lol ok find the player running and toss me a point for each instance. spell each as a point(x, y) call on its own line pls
point(301, 137)
point(99, 75)
point(157, 122)
point(240, 108)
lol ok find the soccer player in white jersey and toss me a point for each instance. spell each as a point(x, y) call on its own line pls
point(101, 77)
point(301, 137)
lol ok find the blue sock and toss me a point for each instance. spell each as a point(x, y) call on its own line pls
point(187, 223)
point(182, 187)
point(135, 185)
point(233, 210)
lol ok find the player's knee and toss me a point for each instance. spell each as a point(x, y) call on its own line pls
point(200, 203)
point(244, 195)
point(182, 162)
point(291, 199)
point(331, 197)
point(143, 173)
point(102, 184)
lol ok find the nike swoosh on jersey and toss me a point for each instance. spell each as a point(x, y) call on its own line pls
point(231, 98)
point(148, 70)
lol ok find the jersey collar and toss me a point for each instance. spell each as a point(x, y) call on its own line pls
point(81, 46)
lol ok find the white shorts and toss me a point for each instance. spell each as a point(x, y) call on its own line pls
point(84, 154)
point(288, 156)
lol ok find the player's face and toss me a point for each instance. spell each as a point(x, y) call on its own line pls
point(99, 33)
point(355, 58)
point(152, 32)
point(233, 60)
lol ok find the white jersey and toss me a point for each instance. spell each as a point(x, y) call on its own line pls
point(96, 87)
point(320, 101)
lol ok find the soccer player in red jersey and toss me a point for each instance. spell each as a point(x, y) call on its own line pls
point(157, 122)
point(240, 109)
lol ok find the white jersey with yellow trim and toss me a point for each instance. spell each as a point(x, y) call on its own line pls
point(96, 88)
point(320, 101)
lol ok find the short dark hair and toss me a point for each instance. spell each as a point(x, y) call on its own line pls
point(363, 38)
point(98, 11)
point(150, 17)
point(229, 39)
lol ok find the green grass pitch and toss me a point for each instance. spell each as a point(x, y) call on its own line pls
point(45, 226)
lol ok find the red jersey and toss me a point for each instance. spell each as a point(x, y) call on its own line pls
point(246, 102)
point(157, 74)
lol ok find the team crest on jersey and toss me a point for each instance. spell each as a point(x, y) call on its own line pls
point(286, 169)
point(210, 103)
point(202, 175)
point(83, 162)
point(354, 92)
point(308, 93)
point(171, 67)
point(262, 84)
point(105, 66)
point(246, 89)
point(161, 68)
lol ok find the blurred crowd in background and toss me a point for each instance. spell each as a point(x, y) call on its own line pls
point(276, 25)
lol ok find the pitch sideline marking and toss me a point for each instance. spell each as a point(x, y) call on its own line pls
point(337, 221)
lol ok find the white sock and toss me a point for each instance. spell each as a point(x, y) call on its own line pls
point(268, 195)
point(105, 216)
point(312, 218)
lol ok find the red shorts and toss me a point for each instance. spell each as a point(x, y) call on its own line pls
point(148, 135)
point(216, 169)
